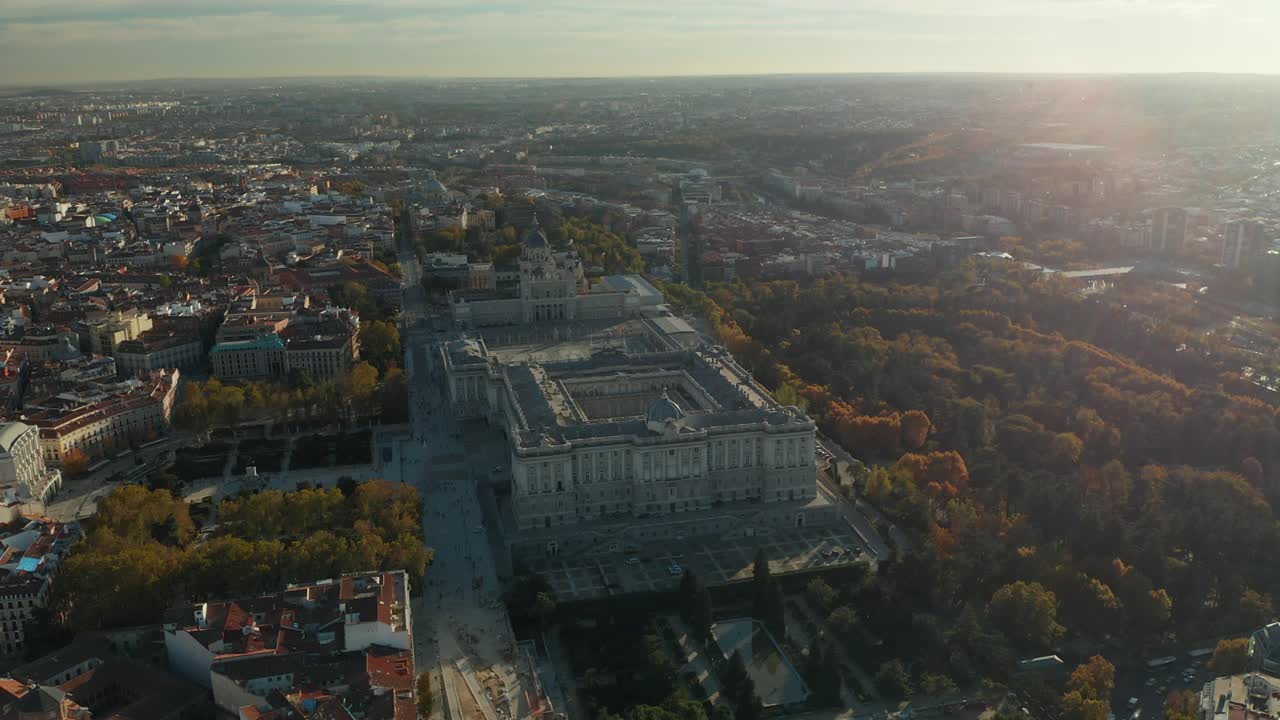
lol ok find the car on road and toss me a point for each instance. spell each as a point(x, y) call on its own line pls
point(633, 561)
point(497, 469)
point(674, 569)
point(478, 529)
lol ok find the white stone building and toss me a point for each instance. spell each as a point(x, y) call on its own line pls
point(640, 447)
point(552, 288)
point(22, 462)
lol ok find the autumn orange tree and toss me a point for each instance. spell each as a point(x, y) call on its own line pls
point(1230, 657)
point(75, 462)
point(1088, 695)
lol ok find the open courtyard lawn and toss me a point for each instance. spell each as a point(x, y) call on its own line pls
point(191, 463)
point(777, 681)
point(266, 455)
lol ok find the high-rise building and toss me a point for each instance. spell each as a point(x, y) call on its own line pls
point(1168, 229)
point(1242, 242)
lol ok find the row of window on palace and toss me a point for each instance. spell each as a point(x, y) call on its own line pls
point(545, 294)
point(612, 465)
point(674, 493)
point(605, 510)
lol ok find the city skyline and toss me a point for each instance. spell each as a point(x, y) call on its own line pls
point(75, 41)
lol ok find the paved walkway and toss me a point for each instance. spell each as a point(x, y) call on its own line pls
point(461, 617)
point(229, 467)
point(859, 523)
point(452, 701)
point(477, 692)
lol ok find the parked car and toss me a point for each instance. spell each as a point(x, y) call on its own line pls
point(675, 570)
point(633, 561)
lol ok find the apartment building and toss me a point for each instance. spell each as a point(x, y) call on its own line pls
point(104, 335)
point(349, 639)
point(31, 551)
point(157, 350)
point(107, 421)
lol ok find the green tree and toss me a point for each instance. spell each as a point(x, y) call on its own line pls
point(395, 396)
point(843, 623)
point(767, 607)
point(657, 671)
point(747, 705)
point(734, 677)
point(380, 342)
point(1027, 612)
point(301, 379)
point(936, 684)
point(695, 605)
point(820, 594)
point(893, 680)
point(822, 669)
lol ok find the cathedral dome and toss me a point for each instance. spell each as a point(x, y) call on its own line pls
point(664, 409)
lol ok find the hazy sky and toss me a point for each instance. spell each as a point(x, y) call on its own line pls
point(89, 40)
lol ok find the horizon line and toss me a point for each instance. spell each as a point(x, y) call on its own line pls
point(507, 78)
